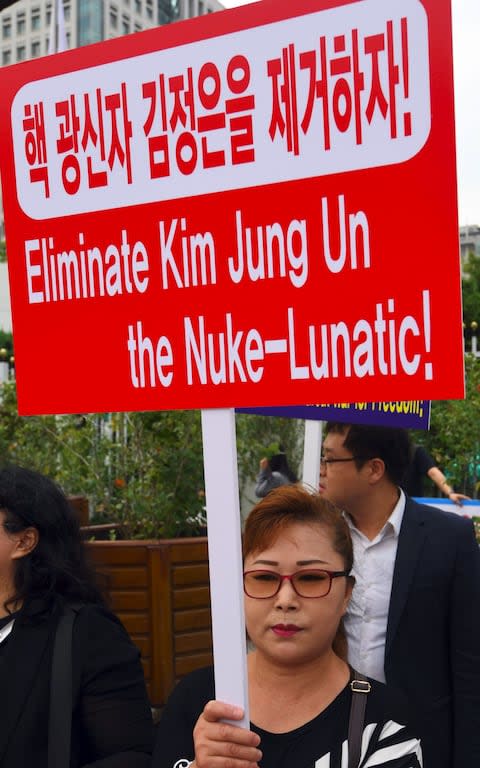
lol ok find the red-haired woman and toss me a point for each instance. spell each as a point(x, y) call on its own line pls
point(297, 562)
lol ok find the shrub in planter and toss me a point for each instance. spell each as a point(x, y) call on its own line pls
point(143, 470)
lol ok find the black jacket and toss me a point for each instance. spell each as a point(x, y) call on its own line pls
point(111, 722)
point(432, 650)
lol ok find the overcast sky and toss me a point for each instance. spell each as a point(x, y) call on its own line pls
point(466, 50)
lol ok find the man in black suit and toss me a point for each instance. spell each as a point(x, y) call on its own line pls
point(414, 618)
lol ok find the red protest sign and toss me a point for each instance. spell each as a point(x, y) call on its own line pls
point(254, 208)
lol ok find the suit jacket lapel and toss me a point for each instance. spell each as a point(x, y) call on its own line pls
point(410, 542)
point(26, 654)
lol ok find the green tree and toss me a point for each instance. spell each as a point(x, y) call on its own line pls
point(255, 436)
point(471, 292)
point(3, 251)
point(144, 470)
point(6, 343)
point(454, 438)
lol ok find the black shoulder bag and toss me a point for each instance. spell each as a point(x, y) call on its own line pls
point(61, 693)
point(360, 687)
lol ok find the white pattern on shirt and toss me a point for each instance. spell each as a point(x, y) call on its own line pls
point(5, 631)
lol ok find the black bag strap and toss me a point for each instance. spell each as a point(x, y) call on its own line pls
point(61, 695)
point(360, 687)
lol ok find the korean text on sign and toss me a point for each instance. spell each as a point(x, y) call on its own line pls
point(347, 100)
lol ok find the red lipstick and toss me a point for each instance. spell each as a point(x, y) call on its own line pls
point(286, 630)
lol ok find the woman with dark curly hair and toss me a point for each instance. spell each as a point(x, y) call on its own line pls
point(43, 576)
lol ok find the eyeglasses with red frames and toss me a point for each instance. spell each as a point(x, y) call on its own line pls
point(307, 583)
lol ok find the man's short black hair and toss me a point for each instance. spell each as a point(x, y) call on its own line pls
point(391, 444)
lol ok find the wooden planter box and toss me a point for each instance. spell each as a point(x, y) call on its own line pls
point(160, 591)
point(80, 505)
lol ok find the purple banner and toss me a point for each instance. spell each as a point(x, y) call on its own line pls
point(411, 414)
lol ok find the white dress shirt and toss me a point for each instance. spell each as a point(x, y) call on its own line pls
point(367, 614)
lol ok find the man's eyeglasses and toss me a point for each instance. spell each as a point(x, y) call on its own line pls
point(306, 583)
point(325, 462)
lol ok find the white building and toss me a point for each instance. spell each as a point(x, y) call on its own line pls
point(25, 27)
point(469, 241)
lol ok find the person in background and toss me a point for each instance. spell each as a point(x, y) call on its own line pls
point(274, 472)
point(42, 572)
point(420, 466)
point(414, 618)
point(297, 584)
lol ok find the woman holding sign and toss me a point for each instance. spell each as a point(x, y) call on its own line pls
point(297, 561)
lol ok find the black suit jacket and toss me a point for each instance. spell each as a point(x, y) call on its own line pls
point(111, 723)
point(432, 650)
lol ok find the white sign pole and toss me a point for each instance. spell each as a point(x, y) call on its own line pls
point(225, 558)
point(312, 449)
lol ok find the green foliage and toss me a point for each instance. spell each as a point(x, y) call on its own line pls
point(144, 470)
point(6, 343)
point(259, 436)
point(454, 437)
point(471, 291)
point(3, 251)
